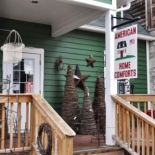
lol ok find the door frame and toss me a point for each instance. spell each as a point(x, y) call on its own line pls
point(39, 51)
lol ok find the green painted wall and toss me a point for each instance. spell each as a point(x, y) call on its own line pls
point(140, 84)
point(74, 47)
point(105, 1)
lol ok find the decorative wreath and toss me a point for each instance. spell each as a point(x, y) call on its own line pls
point(44, 127)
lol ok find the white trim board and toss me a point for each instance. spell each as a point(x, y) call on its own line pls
point(148, 67)
point(92, 4)
point(39, 51)
point(102, 30)
point(148, 70)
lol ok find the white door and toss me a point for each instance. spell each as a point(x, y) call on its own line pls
point(25, 78)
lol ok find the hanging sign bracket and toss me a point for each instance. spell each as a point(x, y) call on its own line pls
point(127, 22)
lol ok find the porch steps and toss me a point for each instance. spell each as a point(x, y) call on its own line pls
point(106, 150)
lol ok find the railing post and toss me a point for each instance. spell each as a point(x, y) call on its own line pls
point(33, 128)
point(3, 126)
point(67, 146)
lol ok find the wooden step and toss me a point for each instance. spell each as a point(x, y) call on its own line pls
point(106, 150)
point(121, 152)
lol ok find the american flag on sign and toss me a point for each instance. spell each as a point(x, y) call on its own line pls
point(132, 41)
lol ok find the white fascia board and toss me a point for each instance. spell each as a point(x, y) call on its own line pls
point(92, 28)
point(92, 4)
point(144, 37)
point(102, 30)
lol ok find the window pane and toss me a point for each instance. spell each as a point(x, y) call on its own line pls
point(15, 76)
point(16, 88)
point(29, 78)
point(28, 66)
point(22, 76)
point(16, 66)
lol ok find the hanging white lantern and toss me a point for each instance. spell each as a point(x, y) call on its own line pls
point(12, 51)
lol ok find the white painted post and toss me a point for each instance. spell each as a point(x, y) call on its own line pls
point(110, 82)
point(148, 73)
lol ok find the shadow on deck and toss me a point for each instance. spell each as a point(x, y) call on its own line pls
point(88, 144)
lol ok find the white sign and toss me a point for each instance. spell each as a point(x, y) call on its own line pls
point(126, 53)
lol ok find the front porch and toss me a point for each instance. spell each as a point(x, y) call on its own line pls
point(40, 130)
point(62, 139)
point(58, 138)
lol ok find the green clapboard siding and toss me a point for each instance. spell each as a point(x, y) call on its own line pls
point(140, 84)
point(105, 1)
point(74, 47)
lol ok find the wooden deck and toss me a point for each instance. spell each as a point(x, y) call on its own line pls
point(83, 145)
point(88, 144)
point(81, 142)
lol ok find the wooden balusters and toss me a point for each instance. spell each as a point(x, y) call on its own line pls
point(124, 124)
point(27, 124)
point(3, 126)
point(38, 111)
point(33, 128)
point(138, 134)
point(19, 123)
point(133, 132)
point(153, 140)
point(55, 143)
point(128, 129)
point(59, 146)
point(143, 138)
point(147, 139)
point(11, 125)
point(151, 107)
point(44, 139)
point(120, 122)
point(116, 119)
point(145, 107)
point(138, 106)
point(133, 121)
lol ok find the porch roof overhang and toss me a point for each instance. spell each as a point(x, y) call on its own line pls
point(63, 17)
